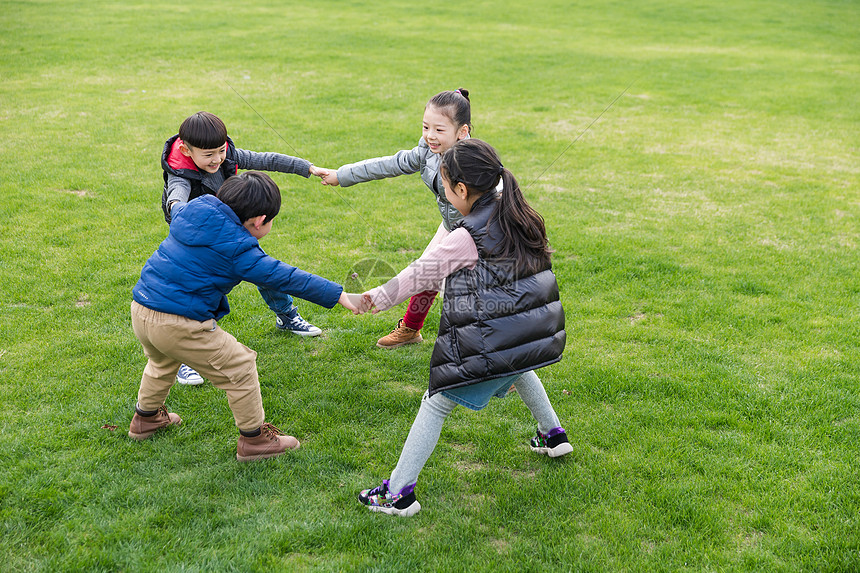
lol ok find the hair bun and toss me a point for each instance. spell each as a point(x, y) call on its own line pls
point(465, 93)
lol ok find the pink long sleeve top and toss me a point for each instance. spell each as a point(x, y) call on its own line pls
point(447, 253)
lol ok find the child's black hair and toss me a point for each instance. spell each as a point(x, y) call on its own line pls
point(203, 130)
point(454, 104)
point(251, 194)
point(477, 165)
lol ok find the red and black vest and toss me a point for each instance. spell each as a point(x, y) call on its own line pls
point(495, 323)
point(173, 162)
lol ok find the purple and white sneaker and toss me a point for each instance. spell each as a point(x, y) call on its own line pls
point(381, 499)
point(554, 443)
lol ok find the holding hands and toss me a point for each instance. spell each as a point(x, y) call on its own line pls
point(318, 171)
point(354, 302)
point(357, 303)
point(328, 176)
point(367, 304)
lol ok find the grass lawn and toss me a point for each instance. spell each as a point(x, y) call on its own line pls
point(706, 230)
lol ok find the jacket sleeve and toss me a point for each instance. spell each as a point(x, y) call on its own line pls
point(255, 266)
point(271, 161)
point(178, 189)
point(401, 163)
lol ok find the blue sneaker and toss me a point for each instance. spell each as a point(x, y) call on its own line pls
point(554, 443)
point(297, 325)
point(402, 504)
point(188, 376)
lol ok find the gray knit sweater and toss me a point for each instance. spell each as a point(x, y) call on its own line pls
point(179, 189)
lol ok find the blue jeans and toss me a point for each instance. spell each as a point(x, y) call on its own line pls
point(279, 302)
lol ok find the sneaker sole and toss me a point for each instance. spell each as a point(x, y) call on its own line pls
point(415, 340)
point(316, 332)
point(556, 452)
point(308, 334)
point(185, 382)
point(407, 512)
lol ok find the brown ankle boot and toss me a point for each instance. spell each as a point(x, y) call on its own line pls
point(401, 335)
point(143, 427)
point(269, 444)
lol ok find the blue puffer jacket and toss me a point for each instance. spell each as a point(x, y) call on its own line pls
point(206, 254)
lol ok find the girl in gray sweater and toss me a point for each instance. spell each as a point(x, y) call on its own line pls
point(447, 120)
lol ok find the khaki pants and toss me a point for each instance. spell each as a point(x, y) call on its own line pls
point(170, 340)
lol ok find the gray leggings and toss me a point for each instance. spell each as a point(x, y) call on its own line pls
point(427, 426)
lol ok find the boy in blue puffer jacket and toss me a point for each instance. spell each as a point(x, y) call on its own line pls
point(213, 246)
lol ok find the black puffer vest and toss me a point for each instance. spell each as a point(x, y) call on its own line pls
point(228, 168)
point(494, 323)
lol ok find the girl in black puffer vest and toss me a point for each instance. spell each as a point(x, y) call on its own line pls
point(501, 315)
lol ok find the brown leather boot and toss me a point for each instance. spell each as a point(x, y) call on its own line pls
point(143, 427)
point(269, 444)
point(401, 335)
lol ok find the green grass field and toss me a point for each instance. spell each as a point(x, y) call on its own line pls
point(706, 230)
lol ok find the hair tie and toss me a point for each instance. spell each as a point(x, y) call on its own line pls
point(501, 169)
point(458, 91)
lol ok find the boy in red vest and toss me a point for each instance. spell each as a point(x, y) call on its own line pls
point(196, 162)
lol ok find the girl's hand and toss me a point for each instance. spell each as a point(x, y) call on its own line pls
point(367, 303)
point(329, 177)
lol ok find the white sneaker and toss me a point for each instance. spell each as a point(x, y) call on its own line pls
point(188, 376)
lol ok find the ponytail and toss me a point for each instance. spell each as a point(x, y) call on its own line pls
point(523, 230)
point(477, 165)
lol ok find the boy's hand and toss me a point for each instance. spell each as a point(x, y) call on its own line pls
point(353, 302)
point(329, 176)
